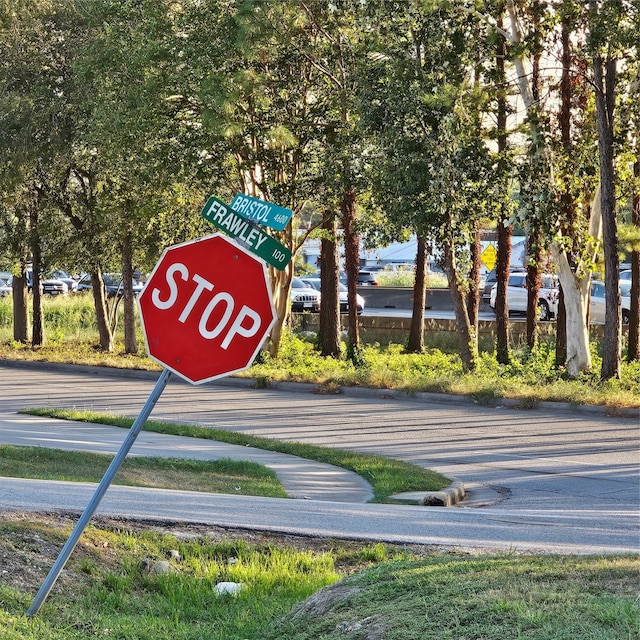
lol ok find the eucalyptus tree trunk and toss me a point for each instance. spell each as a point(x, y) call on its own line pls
point(567, 205)
point(416, 331)
point(575, 290)
point(329, 338)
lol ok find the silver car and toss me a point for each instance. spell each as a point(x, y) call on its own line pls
point(342, 293)
point(304, 297)
point(598, 302)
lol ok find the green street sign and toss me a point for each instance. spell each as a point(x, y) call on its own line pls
point(261, 212)
point(223, 217)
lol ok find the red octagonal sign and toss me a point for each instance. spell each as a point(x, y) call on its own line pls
point(206, 309)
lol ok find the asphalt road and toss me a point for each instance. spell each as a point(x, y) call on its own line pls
point(563, 481)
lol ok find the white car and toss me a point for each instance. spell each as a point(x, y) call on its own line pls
point(304, 297)
point(517, 295)
point(598, 302)
point(5, 288)
point(342, 293)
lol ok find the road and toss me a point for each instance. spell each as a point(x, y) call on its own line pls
point(567, 481)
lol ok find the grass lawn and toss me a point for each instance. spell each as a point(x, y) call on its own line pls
point(379, 591)
point(216, 476)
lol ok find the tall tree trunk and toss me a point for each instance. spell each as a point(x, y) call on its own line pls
point(37, 331)
point(605, 84)
point(416, 331)
point(534, 252)
point(633, 351)
point(105, 332)
point(534, 281)
point(504, 230)
point(502, 304)
point(130, 341)
point(352, 265)
point(20, 304)
point(561, 330)
point(329, 338)
point(473, 297)
point(467, 339)
point(567, 205)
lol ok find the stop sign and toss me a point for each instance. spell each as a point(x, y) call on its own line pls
point(206, 309)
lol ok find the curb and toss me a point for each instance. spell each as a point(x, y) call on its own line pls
point(448, 497)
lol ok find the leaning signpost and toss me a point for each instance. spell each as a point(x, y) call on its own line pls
point(206, 310)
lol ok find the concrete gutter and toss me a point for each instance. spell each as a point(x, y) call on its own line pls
point(448, 497)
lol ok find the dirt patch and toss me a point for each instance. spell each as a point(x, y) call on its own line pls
point(30, 544)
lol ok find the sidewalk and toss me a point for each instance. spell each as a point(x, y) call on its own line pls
point(300, 478)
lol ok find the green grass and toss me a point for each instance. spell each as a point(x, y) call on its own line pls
point(531, 377)
point(216, 476)
point(386, 476)
point(393, 593)
point(488, 598)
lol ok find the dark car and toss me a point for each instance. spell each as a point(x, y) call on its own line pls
point(364, 279)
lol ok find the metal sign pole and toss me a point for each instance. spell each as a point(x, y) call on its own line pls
point(70, 544)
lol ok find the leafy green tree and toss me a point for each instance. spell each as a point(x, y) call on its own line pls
point(275, 103)
point(430, 167)
point(35, 41)
point(613, 36)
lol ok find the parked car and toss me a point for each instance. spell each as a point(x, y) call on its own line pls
point(54, 287)
point(304, 297)
point(598, 302)
point(625, 275)
point(363, 279)
point(61, 274)
point(489, 283)
point(342, 293)
point(5, 288)
point(517, 295)
point(48, 286)
point(113, 284)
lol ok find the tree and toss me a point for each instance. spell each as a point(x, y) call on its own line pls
point(612, 34)
point(34, 41)
point(573, 248)
point(430, 167)
point(291, 143)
